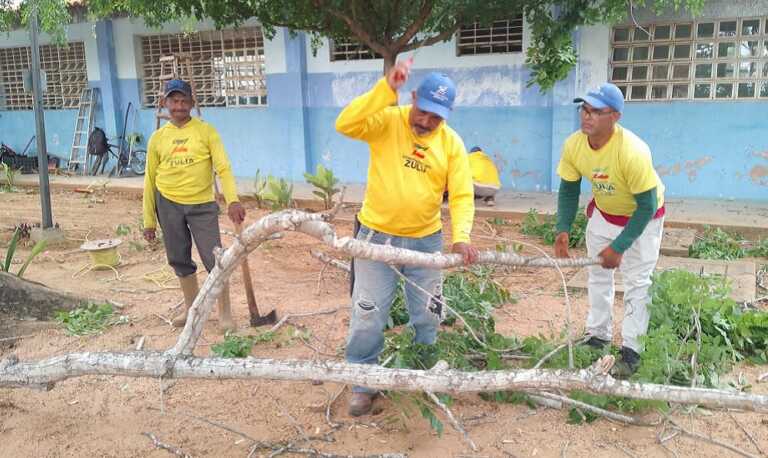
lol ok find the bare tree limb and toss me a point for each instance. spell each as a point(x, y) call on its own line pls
point(432, 40)
point(421, 18)
point(170, 448)
point(596, 410)
point(45, 373)
point(456, 425)
point(747, 433)
point(710, 440)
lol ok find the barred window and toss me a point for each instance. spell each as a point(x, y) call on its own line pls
point(64, 68)
point(227, 66)
point(704, 60)
point(351, 50)
point(502, 36)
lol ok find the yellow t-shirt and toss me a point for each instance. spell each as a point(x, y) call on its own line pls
point(180, 161)
point(407, 174)
point(617, 171)
point(484, 171)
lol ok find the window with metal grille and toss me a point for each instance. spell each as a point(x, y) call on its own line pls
point(64, 68)
point(351, 50)
point(227, 66)
point(502, 36)
point(722, 59)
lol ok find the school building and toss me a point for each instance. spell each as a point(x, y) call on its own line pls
point(696, 91)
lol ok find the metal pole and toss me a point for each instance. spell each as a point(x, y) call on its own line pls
point(37, 97)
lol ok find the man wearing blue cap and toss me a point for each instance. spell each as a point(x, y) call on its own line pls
point(414, 156)
point(178, 190)
point(626, 218)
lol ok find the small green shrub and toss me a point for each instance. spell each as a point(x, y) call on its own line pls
point(544, 228)
point(279, 193)
point(325, 182)
point(233, 346)
point(11, 251)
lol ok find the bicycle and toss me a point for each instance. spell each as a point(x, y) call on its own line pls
point(129, 161)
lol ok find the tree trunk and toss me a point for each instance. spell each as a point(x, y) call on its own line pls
point(23, 299)
point(44, 374)
point(390, 58)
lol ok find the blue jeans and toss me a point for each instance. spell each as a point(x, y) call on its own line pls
point(374, 290)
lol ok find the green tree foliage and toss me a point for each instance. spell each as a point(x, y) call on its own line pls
point(387, 27)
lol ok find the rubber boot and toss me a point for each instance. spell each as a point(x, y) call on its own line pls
point(189, 288)
point(226, 324)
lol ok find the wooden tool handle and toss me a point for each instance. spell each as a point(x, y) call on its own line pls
point(247, 282)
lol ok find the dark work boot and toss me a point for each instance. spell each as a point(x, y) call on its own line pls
point(627, 364)
point(597, 343)
point(360, 404)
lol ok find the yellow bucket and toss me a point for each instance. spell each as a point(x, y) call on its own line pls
point(103, 253)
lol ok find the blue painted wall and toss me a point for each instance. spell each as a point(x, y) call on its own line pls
point(706, 149)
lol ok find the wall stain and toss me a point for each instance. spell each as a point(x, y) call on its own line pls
point(674, 169)
point(759, 175)
point(692, 168)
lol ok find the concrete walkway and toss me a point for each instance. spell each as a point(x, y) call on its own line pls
point(750, 218)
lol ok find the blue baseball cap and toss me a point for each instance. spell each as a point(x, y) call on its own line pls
point(605, 96)
point(475, 149)
point(436, 94)
point(178, 86)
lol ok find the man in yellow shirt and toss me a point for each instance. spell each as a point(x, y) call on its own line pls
point(178, 190)
point(626, 218)
point(485, 176)
point(414, 155)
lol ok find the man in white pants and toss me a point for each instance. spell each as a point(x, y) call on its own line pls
point(626, 218)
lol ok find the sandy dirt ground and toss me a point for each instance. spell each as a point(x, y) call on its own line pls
point(107, 416)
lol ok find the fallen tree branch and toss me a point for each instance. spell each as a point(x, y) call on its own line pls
point(285, 319)
point(170, 448)
point(315, 225)
point(596, 410)
point(324, 258)
point(454, 422)
point(710, 440)
point(44, 374)
point(747, 433)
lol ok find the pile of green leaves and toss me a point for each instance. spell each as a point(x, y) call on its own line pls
point(543, 226)
point(473, 294)
point(728, 335)
point(682, 303)
point(716, 243)
point(88, 319)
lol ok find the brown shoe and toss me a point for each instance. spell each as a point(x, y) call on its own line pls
point(360, 404)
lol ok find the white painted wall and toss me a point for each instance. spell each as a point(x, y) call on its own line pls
point(594, 48)
point(81, 31)
point(440, 55)
point(128, 49)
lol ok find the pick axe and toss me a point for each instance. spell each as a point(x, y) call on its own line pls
point(256, 318)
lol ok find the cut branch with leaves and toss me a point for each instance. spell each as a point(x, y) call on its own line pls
point(178, 361)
